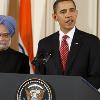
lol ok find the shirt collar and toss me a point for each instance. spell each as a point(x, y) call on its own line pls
point(70, 34)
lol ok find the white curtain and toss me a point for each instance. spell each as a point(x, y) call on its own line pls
point(87, 15)
point(3, 7)
point(98, 19)
point(42, 22)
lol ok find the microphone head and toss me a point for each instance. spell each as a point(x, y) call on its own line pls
point(42, 58)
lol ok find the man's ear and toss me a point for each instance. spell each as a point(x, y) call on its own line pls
point(54, 16)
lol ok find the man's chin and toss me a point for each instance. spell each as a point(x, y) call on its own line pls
point(2, 47)
point(68, 28)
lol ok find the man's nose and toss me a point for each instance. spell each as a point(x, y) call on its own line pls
point(1, 38)
point(68, 14)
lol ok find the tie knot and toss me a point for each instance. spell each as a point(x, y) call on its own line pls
point(65, 37)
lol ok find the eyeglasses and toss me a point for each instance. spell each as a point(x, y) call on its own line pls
point(4, 35)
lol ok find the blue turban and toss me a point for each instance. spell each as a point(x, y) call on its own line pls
point(9, 22)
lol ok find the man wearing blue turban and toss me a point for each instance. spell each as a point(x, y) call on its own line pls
point(11, 61)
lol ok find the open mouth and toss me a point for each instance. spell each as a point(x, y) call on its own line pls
point(69, 21)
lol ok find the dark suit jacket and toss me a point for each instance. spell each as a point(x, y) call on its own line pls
point(12, 61)
point(83, 59)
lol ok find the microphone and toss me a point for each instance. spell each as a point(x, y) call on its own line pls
point(45, 60)
point(40, 62)
point(41, 58)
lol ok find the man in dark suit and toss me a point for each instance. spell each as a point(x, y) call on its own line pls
point(83, 57)
point(11, 61)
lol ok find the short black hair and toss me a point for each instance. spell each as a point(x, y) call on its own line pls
point(58, 1)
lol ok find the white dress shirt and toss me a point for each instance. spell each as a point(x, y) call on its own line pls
point(70, 34)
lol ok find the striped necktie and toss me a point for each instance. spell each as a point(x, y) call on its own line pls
point(64, 49)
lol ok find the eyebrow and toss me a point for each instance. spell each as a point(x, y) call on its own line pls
point(67, 9)
point(63, 10)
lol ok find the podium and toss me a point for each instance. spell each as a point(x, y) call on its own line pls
point(65, 87)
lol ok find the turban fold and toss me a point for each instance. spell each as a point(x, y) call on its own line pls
point(9, 22)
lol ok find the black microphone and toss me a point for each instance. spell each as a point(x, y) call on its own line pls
point(45, 60)
point(40, 62)
point(41, 58)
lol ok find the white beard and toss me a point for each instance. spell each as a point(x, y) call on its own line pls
point(5, 46)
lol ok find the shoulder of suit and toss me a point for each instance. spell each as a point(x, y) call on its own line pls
point(86, 34)
point(50, 36)
point(15, 52)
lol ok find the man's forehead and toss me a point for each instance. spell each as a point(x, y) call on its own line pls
point(65, 5)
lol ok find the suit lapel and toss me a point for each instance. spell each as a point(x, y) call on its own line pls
point(56, 55)
point(75, 46)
